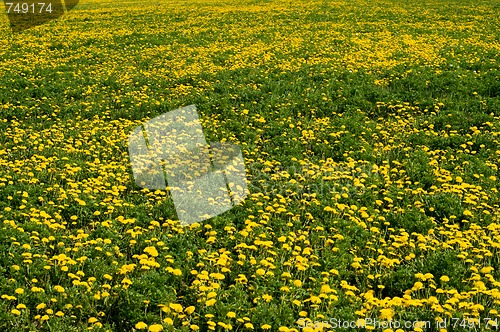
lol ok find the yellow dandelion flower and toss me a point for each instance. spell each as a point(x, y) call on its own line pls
point(210, 302)
point(151, 251)
point(155, 328)
point(176, 307)
point(141, 325)
point(59, 289)
point(386, 314)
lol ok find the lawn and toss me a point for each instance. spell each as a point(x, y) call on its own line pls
point(370, 134)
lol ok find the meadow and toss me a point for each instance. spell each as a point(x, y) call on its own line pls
point(370, 133)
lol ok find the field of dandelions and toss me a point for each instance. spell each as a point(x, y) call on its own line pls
point(370, 133)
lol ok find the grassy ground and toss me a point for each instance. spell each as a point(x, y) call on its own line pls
point(370, 136)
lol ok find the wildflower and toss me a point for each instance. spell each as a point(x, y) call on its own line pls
point(386, 314)
point(444, 278)
point(267, 297)
point(151, 251)
point(467, 213)
point(155, 328)
point(176, 307)
point(59, 289)
point(141, 325)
